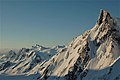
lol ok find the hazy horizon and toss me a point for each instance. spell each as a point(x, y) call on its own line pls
point(28, 22)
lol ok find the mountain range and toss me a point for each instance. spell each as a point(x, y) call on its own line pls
point(94, 55)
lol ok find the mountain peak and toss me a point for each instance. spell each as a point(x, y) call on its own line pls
point(103, 17)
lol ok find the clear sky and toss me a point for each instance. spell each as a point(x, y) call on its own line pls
point(24, 23)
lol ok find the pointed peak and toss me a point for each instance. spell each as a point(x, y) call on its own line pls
point(103, 17)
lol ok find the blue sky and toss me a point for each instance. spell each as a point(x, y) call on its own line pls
point(24, 23)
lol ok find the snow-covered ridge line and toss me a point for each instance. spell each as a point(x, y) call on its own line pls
point(95, 49)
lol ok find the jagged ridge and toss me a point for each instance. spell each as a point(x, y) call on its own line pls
point(86, 52)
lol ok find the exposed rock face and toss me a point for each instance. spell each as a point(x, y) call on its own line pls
point(104, 17)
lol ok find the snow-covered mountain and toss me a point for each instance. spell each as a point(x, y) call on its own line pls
point(94, 55)
point(26, 59)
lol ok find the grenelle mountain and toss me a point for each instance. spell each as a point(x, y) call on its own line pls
point(94, 55)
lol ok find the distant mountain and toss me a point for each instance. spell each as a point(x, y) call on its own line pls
point(94, 55)
point(26, 59)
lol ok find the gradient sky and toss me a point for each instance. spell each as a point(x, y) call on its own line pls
point(24, 23)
